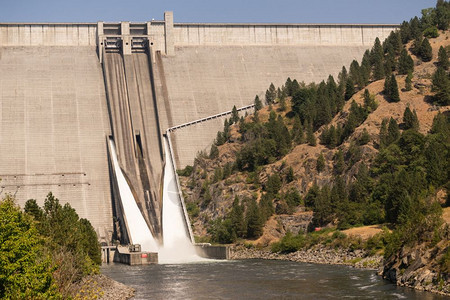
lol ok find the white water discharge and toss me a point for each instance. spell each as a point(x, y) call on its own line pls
point(177, 247)
point(137, 227)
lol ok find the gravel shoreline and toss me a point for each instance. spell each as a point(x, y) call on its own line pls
point(102, 287)
point(318, 255)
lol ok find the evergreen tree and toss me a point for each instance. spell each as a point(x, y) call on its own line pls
point(339, 163)
point(408, 82)
point(386, 86)
point(417, 45)
point(378, 70)
point(441, 86)
point(425, 51)
point(310, 137)
point(323, 209)
point(393, 90)
point(377, 52)
point(393, 132)
point(365, 68)
point(333, 139)
point(234, 115)
point(258, 103)
point(364, 138)
point(416, 32)
point(297, 131)
point(237, 218)
point(442, 14)
point(383, 133)
point(405, 63)
point(443, 58)
point(254, 220)
point(369, 101)
point(290, 176)
point(410, 119)
point(320, 165)
point(389, 61)
point(349, 89)
point(405, 32)
point(214, 152)
point(271, 94)
point(355, 73)
point(343, 76)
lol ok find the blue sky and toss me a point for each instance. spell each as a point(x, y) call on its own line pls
point(262, 11)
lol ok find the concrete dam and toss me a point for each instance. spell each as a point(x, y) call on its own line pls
point(70, 92)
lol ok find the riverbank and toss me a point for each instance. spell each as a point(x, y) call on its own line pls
point(320, 254)
point(102, 287)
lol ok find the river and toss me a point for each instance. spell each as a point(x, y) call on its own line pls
point(257, 279)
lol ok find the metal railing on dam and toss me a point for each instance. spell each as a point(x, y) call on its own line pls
point(226, 113)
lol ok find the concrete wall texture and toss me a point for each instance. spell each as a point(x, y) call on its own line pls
point(53, 124)
point(54, 117)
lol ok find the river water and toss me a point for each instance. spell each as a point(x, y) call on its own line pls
point(257, 279)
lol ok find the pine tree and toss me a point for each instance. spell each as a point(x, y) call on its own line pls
point(271, 94)
point(254, 220)
point(393, 132)
point(320, 165)
point(297, 131)
point(378, 71)
point(366, 67)
point(443, 58)
point(339, 163)
point(410, 119)
point(405, 63)
point(383, 133)
point(417, 45)
point(408, 82)
point(441, 85)
point(377, 51)
point(393, 90)
point(386, 86)
point(369, 101)
point(237, 218)
point(234, 115)
point(310, 137)
point(425, 51)
point(349, 89)
point(389, 60)
point(442, 14)
point(258, 103)
point(405, 32)
point(355, 73)
point(364, 138)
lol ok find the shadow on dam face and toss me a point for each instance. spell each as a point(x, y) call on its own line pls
point(67, 87)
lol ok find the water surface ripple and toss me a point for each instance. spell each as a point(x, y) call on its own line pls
point(257, 279)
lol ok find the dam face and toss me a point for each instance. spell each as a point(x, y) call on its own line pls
point(67, 88)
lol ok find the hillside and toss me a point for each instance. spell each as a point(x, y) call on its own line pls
point(361, 162)
point(302, 158)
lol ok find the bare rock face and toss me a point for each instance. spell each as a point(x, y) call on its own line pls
point(418, 267)
point(297, 223)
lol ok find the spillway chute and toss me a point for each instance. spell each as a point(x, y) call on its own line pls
point(137, 228)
